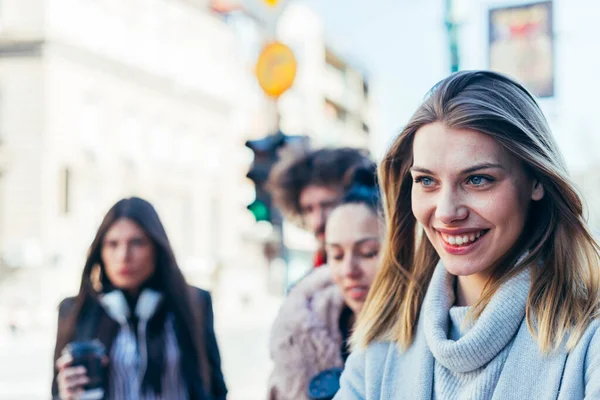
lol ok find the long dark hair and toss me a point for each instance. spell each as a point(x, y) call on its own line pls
point(167, 278)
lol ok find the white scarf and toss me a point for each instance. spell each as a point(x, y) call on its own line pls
point(129, 356)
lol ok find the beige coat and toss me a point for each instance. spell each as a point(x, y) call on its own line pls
point(305, 338)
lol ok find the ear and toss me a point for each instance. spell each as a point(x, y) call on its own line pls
point(538, 191)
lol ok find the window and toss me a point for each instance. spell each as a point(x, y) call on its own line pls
point(334, 111)
point(366, 89)
point(1, 117)
point(65, 201)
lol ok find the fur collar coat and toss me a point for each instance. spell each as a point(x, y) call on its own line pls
point(305, 338)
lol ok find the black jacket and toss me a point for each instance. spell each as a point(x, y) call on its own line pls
point(88, 321)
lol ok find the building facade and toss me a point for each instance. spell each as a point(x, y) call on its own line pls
point(330, 101)
point(106, 99)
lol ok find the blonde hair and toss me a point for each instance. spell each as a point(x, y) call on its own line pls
point(564, 257)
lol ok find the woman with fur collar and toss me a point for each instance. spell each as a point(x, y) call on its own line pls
point(310, 334)
point(157, 330)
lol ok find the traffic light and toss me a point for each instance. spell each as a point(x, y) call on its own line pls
point(260, 210)
point(266, 154)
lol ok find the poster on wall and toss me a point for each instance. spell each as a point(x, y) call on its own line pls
point(521, 45)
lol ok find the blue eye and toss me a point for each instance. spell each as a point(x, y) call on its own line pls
point(478, 180)
point(424, 180)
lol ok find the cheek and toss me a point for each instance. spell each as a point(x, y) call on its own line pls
point(146, 258)
point(421, 207)
point(500, 208)
point(370, 270)
point(105, 256)
point(336, 273)
point(309, 219)
point(489, 207)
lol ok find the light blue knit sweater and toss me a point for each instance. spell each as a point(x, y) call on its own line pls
point(495, 358)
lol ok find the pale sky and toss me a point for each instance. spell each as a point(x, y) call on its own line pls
point(385, 38)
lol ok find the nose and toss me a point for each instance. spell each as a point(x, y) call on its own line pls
point(351, 266)
point(450, 207)
point(320, 218)
point(122, 252)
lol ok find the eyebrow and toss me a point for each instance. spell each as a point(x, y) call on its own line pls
point(465, 171)
point(116, 239)
point(359, 242)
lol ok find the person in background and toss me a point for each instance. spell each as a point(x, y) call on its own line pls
point(489, 286)
point(307, 187)
point(311, 331)
point(134, 299)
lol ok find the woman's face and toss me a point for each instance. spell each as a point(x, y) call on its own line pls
point(352, 241)
point(470, 195)
point(128, 255)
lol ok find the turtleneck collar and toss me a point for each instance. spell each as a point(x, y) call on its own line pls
point(487, 336)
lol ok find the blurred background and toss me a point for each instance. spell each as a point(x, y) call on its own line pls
point(163, 99)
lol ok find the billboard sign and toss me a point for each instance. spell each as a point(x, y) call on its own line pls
point(521, 44)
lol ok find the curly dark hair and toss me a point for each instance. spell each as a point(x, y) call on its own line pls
point(331, 167)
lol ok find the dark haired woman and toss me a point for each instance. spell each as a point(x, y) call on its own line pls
point(310, 334)
point(157, 330)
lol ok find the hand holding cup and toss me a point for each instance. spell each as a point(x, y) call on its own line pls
point(81, 369)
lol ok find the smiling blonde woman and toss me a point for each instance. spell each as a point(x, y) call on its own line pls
point(489, 283)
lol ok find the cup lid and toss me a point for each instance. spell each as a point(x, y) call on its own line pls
point(87, 346)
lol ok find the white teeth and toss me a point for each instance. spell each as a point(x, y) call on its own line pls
point(460, 240)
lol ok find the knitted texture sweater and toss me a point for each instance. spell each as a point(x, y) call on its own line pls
point(496, 357)
point(469, 363)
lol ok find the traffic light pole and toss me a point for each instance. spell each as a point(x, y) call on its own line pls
point(452, 31)
point(276, 71)
point(278, 226)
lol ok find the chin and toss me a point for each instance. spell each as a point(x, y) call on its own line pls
point(127, 285)
point(355, 306)
point(460, 267)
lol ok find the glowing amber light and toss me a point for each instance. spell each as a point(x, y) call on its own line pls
point(276, 69)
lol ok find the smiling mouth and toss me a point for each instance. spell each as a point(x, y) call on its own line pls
point(464, 239)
